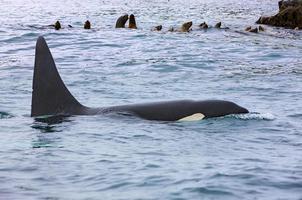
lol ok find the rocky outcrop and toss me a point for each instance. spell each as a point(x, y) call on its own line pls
point(289, 3)
point(289, 16)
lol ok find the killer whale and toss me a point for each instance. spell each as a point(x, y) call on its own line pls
point(50, 97)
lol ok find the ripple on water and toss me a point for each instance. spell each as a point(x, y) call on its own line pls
point(213, 191)
point(5, 115)
point(250, 156)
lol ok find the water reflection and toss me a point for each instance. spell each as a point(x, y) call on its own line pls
point(48, 124)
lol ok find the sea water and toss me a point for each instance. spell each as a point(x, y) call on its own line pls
point(252, 156)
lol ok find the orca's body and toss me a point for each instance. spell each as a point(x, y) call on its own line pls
point(51, 97)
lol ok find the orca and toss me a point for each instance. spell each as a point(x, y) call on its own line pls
point(50, 97)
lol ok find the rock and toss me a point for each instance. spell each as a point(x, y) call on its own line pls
point(289, 3)
point(289, 16)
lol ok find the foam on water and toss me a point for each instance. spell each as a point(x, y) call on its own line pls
point(253, 116)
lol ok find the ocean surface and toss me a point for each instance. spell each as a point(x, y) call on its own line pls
point(251, 156)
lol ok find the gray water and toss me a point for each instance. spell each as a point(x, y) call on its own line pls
point(252, 156)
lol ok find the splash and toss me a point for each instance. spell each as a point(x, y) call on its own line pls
point(253, 116)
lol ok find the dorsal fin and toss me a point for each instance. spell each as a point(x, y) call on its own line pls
point(50, 95)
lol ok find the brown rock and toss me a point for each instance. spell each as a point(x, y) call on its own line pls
point(289, 16)
point(289, 3)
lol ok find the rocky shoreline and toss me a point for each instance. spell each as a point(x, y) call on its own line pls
point(289, 15)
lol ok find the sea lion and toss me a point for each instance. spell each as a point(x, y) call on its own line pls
point(87, 25)
point(261, 28)
point(203, 25)
point(157, 28)
point(57, 25)
point(132, 23)
point(186, 26)
point(254, 30)
point(121, 21)
point(218, 25)
point(248, 28)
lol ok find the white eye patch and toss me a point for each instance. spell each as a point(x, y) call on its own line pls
point(191, 118)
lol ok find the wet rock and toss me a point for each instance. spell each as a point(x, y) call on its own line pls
point(289, 3)
point(289, 16)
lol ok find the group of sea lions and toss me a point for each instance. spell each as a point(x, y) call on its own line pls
point(254, 30)
point(121, 21)
point(185, 27)
point(57, 25)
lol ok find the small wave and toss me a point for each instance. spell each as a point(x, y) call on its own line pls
point(253, 116)
point(5, 115)
point(209, 191)
point(298, 115)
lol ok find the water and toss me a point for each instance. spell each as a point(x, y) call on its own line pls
point(253, 156)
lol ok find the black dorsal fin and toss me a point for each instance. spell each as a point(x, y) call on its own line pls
point(50, 95)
